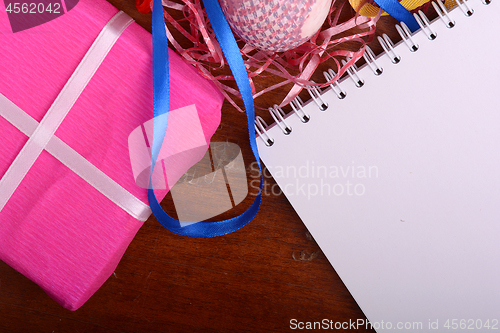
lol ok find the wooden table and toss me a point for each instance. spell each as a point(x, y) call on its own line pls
point(258, 279)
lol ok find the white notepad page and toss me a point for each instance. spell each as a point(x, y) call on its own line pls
point(399, 183)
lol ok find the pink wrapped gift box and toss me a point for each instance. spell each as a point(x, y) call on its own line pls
point(57, 229)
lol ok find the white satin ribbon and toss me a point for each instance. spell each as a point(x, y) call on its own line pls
point(42, 134)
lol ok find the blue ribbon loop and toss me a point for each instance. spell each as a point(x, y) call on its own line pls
point(399, 12)
point(161, 106)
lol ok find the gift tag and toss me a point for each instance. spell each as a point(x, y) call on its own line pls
point(27, 14)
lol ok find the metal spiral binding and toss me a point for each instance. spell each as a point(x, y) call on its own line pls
point(297, 108)
point(424, 24)
point(329, 75)
point(315, 94)
point(443, 14)
point(388, 47)
point(297, 104)
point(352, 71)
point(278, 115)
point(371, 61)
point(464, 6)
point(260, 128)
point(405, 34)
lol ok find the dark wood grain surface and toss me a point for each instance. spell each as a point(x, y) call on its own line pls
point(254, 280)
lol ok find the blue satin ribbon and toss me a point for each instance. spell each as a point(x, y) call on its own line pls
point(399, 12)
point(161, 106)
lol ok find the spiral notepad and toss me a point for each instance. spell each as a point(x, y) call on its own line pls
point(395, 171)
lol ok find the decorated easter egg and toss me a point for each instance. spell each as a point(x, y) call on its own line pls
point(275, 25)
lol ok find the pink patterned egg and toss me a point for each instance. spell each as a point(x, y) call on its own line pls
point(275, 25)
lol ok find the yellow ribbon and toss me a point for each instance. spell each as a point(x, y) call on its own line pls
point(370, 10)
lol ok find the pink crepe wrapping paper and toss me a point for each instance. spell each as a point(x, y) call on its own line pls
point(58, 230)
